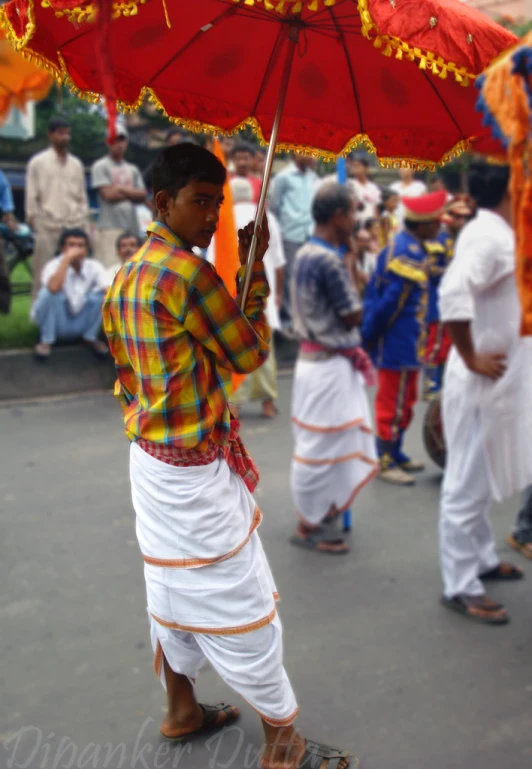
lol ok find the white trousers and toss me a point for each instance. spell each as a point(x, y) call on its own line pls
point(467, 544)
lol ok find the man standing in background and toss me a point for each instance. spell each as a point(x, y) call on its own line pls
point(394, 331)
point(291, 200)
point(262, 383)
point(243, 159)
point(56, 196)
point(407, 187)
point(120, 189)
point(367, 192)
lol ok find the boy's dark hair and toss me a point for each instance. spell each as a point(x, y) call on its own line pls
point(72, 232)
point(242, 147)
point(360, 159)
point(329, 199)
point(369, 223)
point(176, 166)
point(487, 183)
point(57, 122)
point(125, 236)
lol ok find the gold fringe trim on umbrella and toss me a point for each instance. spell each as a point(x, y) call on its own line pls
point(289, 6)
point(426, 60)
point(88, 13)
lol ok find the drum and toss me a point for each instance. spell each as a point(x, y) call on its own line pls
point(433, 433)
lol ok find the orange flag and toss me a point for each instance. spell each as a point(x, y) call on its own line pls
point(226, 258)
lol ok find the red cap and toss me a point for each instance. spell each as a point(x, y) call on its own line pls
point(425, 208)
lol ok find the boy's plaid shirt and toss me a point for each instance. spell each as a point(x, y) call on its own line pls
point(176, 335)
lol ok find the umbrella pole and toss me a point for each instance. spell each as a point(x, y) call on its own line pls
point(292, 42)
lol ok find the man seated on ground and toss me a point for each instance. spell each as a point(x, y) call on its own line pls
point(69, 303)
point(127, 245)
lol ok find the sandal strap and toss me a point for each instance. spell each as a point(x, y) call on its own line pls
point(211, 712)
point(315, 753)
point(468, 601)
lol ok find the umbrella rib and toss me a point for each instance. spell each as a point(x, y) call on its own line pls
point(429, 79)
point(189, 43)
point(350, 69)
point(269, 67)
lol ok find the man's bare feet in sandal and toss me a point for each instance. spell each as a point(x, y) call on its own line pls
point(479, 608)
point(186, 717)
point(525, 548)
point(199, 719)
point(319, 538)
point(286, 749)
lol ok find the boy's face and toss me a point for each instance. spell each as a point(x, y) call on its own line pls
point(194, 213)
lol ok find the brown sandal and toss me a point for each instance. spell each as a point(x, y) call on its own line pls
point(210, 721)
point(466, 605)
point(525, 548)
point(504, 572)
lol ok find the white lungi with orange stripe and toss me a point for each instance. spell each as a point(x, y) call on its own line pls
point(211, 594)
point(334, 447)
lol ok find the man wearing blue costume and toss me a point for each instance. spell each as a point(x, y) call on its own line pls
point(441, 250)
point(394, 331)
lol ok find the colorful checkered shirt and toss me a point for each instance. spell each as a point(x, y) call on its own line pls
point(176, 335)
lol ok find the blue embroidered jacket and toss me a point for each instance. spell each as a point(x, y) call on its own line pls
point(440, 253)
point(395, 305)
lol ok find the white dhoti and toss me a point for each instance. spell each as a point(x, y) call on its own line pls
point(334, 447)
point(211, 594)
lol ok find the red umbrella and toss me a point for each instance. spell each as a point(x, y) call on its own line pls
point(222, 64)
point(218, 65)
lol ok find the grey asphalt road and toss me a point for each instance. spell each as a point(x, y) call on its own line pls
point(378, 666)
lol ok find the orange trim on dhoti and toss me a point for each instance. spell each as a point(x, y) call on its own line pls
point(158, 659)
point(338, 460)
point(277, 721)
point(360, 486)
point(190, 563)
point(338, 429)
point(238, 630)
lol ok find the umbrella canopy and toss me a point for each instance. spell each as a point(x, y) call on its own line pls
point(20, 80)
point(217, 64)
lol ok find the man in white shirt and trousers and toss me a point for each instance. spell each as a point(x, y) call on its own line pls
point(487, 416)
point(69, 304)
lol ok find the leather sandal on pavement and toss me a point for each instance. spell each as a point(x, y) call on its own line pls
point(504, 572)
point(210, 721)
point(477, 608)
point(314, 755)
point(322, 536)
point(525, 548)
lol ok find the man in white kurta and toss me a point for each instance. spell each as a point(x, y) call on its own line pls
point(486, 401)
